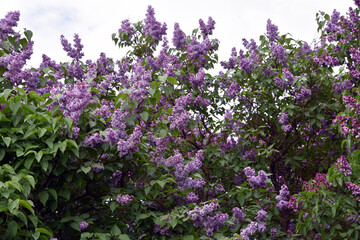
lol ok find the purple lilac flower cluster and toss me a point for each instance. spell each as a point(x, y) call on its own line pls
point(256, 181)
point(124, 199)
point(343, 166)
point(75, 52)
point(7, 24)
point(128, 30)
point(303, 94)
point(179, 38)
point(249, 230)
point(204, 217)
point(14, 62)
point(284, 121)
point(182, 173)
point(131, 144)
point(152, 27)
point(198, 80)
point(180, 116)
point(83, 225)
point(282, 198)
point(319, 180)
point(272, 31)
point(74, 100)
point(332, 25)
point(238, 215)
point(206, 29)
point(278, 53)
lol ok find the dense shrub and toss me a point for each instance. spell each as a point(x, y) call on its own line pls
point(152, 146)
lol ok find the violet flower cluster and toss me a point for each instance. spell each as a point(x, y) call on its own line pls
point(282, 198)
point(152, 27)
point(206, 29)
point(284, 121)
point(343, 166)
point(83, 225)
point(255, 181)
point(7, 24)
point(205, 217)
point(73, 52)
point(272, 31)
point(124, 199)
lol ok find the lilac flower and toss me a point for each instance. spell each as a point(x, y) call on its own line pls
point(192, 198)
point(7, 24)
point(353, 187)
point(343, 166)
point(127, 29)
point(179, 38)
point(238, 214)
point(202, 217)
point(152, 27)
point(303, 94)
point(93, 140)
point(83, 225)
point(278, 52)
point(258, 181)
point(206, 29)
point(284, 118)
point(111, 136)
point(233, 90)
point(261, 215)
point(75, 52)
point(357, 3)
point(249, 172)
point(74, 100)
point(272, 31)
point(124, 199)
point(198, 80)
point(249, 230)
point(331, 25)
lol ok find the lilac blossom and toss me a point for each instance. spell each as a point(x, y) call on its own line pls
point(206, 29)
point(73, 101)
point(249, 230)
point(83, 225)
point(129, 30)
point(93, 140)
point(75, 52)
point(204, 217)
point(303, 94)
point(198, 80)
point(343, 165)
point(179, 38)
point(278, 53)
point(238, 214)
point(7, 24)
point(272, 31)
point(124, 199)
point(152, 27)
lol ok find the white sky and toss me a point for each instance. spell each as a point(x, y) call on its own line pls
point(95, 21)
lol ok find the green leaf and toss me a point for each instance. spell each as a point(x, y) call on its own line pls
point(124, 237)
point(26, 205)
point(115, 230)
point(172, 80)
point(62, 146)
point(39, 155)
point(85, 169)
point(7, 141)
point(44, 198)
point(14, 106)
point(144, 115)
point(53, 193)
point(12, 228)
point(163, 132)
point(42, 230)
point(2, 153)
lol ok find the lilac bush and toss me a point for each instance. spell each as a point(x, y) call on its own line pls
point(154, 146)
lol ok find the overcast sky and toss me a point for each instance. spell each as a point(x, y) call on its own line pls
point(95, 21)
